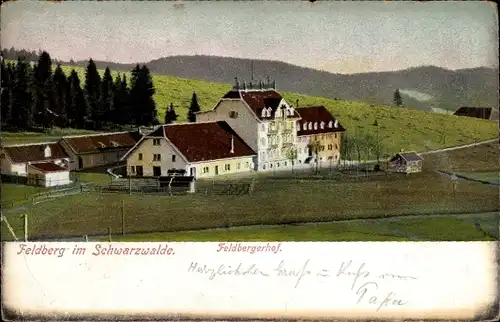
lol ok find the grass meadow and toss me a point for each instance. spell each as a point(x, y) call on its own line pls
point(273, 202)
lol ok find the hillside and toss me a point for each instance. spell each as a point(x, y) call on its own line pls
point(398, 127)
point(423, 88)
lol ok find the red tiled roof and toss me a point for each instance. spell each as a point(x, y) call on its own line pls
point(205, 141)
point(258, 99)
point(317, 114)
point(48, 167)
point(34, 152)
point(98, 143)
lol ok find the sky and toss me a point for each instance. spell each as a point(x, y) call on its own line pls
point(338, 37)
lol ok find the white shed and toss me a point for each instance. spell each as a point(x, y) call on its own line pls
point(48, 174)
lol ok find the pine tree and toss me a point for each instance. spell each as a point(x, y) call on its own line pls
point(121, 107)
point(78, 109)
point(92, 90)
point(43, 90)
point(143, 106)
point(193, 108)
point(103, 114)
point(170, 115)
point(398, 101)
point(60, 102)
point(6, 90)
point(21, 108)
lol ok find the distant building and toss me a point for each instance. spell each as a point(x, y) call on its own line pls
point(200, 150)
point(95, 150)
point(262, 118)
point(44, 164)
point(409, 162)
point(318, 137)
point(477, 112)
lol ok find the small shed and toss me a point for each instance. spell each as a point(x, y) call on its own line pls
point(408, 162)
point(48, 174)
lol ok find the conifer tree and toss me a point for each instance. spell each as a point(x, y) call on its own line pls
point(6, 90)
point(43, 90)
point(60, 101)
point(143, 106)
point(193, 108)
point(21, 108)
point(104, 111)
point(92, 90)
point(170, 114)
point(398, 101)
point(78, 108)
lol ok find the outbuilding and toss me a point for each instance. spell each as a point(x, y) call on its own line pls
point(48, 174)
point(408, 162)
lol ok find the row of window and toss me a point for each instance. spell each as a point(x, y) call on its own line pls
point(287, 111)
point(156, 157)
point(227, 167)
point(311, 125)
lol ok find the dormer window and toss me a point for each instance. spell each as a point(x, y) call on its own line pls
point(315, 125)
point(336, 124)
point(304, 126)
point(297, 125)
point(330, 124)
point(310, 126)
point(114, 144)
point(277, 113)
point(101, 145)
point(264, 112)
point(268, 113)
point(322, 125)
point(47, 152)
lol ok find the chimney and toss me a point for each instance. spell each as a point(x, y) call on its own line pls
point(237, 84)
point(250, 86)
point(232, 144)
point(274, 84)
point(261, 84)
point(268, 82)
point(245, 85)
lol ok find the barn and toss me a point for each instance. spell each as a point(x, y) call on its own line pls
point(408, 162)
point(48, 174)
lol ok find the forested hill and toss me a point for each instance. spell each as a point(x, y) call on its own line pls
point(424, 88)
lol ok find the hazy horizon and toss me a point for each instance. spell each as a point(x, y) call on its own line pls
point(348, 37)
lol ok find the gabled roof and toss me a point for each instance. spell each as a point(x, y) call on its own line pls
point(96, 143)
point(204, 141)
point(23, 153)
point(258, 100)
point(317, 114)
point(477, 112)
point(48, 167)
point(408, 156)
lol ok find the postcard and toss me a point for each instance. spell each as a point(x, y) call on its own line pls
point(250, 160)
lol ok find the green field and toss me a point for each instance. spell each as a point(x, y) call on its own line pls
point(492, 177)
point(399, 128)
point(445, 228)
point(273, 202)
point(34, 137)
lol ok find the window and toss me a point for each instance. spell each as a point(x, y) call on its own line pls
point(330, 157)
point(330, 147)
point(304, 126)
point(263, 114)
point(278, 165)
point(233, 114)
point(310, 126)
point(156, 157)
point(140, 156)
point(238, 166)
point(263, 141)
point(271, 166)
point(263, 167)
point(156, 171)
point(268, 112)
point(263, 127)
point(205, 170)
point(227, 167)
point(173, 157)
point(132, 169)
point(322, 148)
point(336, 147)
point(286, 163)
point(315, 125)
point(322, 125)
point(263, 156)
point(330, 124)
point(156, 141)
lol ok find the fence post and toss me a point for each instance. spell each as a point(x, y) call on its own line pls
point(123, 217)
point(109, 234)
point(25, 217)
point(86, 238)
